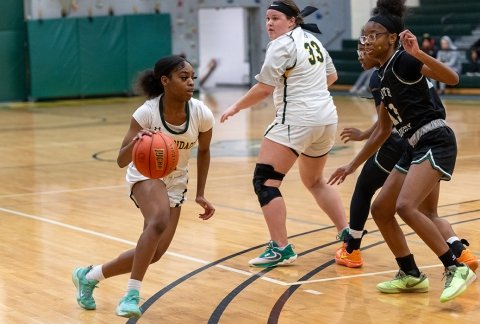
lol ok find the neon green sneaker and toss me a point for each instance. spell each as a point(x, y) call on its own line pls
point(403, 283)
point(457, 280)
point(274, 256)
point(84, 288)
point(128, 306)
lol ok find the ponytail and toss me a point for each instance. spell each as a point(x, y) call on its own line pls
point(149, 81)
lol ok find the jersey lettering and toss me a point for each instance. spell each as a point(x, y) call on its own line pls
point(313, 58)
point(184, 145)
point(394, 115)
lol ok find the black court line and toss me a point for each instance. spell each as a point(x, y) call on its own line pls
point(98, 156)
point(277, 308)
point(149, 302)
point(217, 313)
point(215, 317)
point(275, 313)
point(463, 202)
point(96, 122)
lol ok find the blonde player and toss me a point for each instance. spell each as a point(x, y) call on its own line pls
point(297, 71)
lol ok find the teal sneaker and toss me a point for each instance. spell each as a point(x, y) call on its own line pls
point(274, 256)
point(456, 281)
point(128, 306)
point(342, 236)
point(403, 283)
point(84, 288)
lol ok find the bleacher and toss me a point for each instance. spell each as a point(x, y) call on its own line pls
point(437, 18)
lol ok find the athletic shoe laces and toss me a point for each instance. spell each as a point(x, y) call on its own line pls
point(89, 286)
point(448, 274)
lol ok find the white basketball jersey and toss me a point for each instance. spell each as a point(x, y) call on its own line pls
point(297, 65)
point(199, 119)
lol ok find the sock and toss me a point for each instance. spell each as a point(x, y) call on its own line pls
point(355, 234)
point(457, 247)
point(95, 274)
point(134, 284)
point(452, 239)
point(449, 259)
point(353, 244)
point(354, 240)
point(408, 266)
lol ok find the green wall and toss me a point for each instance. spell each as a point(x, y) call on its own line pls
point(54, 58)
point(97, 56)
point(13, 84)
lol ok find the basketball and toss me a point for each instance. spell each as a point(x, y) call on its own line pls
point(155, 156)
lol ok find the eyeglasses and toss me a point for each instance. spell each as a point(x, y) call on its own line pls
point(370, 38)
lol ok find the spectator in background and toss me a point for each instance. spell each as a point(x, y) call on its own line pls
point(428, 45)
point(361, 85)
point(474, 57)
point(449, 55)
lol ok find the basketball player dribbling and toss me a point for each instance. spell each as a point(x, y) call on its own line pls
point(171, 109)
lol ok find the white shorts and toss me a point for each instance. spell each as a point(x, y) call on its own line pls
point(312, 141)
point(176, 184)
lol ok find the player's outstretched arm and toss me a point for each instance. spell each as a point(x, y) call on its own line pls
point(257, 93)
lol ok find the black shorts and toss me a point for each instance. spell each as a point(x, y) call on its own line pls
point(439, 146)
point(390, 152)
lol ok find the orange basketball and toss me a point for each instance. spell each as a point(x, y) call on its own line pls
point(155, 156)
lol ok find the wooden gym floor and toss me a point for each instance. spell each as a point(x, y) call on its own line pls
point(64, 203)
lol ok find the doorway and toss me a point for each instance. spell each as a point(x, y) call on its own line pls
point(229, 46)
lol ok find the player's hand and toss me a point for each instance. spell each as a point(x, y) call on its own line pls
point(232, 110)
point(409, 42)
point(340, 174)
point(207, 206)
point(144, 132)
point(351, 134)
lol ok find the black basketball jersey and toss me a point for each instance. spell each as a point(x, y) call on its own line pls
point(374, 86)
point(406, 94)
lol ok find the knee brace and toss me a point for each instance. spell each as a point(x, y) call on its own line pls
point(262, 173)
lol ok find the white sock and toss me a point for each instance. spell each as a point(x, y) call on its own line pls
point(95, 274)
point(134, 285)
point(355, 234)
point(452, 239)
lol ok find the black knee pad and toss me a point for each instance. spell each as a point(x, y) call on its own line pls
point(262, 173)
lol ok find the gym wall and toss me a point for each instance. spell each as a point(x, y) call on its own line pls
point(13, 84)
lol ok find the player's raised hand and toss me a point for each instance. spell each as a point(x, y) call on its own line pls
point(409, 42)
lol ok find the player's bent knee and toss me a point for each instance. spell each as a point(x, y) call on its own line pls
point(264, 172)
point(157, 226)
point(376, 210)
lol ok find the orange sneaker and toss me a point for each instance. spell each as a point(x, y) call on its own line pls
point(469, 259)
point(350, 260)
